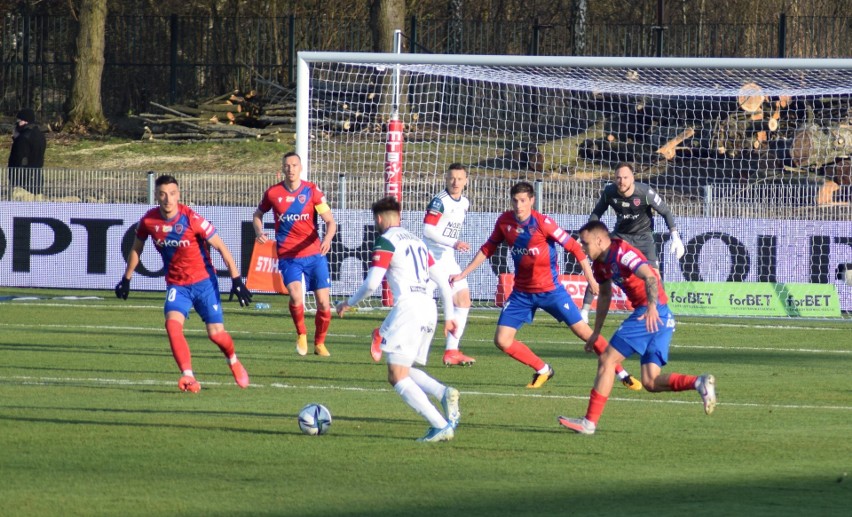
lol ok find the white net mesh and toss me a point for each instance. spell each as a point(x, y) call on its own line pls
point(726, 147)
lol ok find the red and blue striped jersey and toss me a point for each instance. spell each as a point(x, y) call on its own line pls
point(295, 217)
point(620, 265)
point(182, 242)
point(532, 244)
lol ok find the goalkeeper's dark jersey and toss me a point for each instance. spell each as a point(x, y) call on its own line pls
point(633, 213)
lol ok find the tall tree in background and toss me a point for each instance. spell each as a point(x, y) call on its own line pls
point(455, 29)
point(386, 16)
point(85, 107)
point(581, 10)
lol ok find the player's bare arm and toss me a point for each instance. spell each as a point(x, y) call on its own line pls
point(238, 288)
point(475, 262)
point(219, 245)
point(590, 277)
point(330, 230)
point(257, 223)
point(604, 299)
point(651, 317)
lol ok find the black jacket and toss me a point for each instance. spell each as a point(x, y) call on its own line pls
point(28, 148)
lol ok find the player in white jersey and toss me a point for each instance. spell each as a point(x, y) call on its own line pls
point(408, 329)
point(442, 227)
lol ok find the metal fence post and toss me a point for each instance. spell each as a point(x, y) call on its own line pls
point(25, 47)
point(412, 35)
point(539, 186)
point(291, 48)
point(536, 34)
point(341, 203)
point(782, 35)
point(151, 197)
point(173, 57)
point(659, 28)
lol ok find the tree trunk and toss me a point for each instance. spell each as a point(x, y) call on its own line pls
point(581, 9)
point(86, 110)
point(813, 145)
point(455, 29)
point(386, 16)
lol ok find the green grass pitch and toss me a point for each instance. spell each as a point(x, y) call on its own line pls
point(92, 422)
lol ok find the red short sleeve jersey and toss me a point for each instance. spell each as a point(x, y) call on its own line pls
point(532, 245)
point(295, 218)
point(620, 265)
point(182, 242)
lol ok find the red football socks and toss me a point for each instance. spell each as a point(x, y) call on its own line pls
point(225, 343)
point(322, 320)
point(521, 353)
point(297, 312)
point(596, 407)
point(180, 348)
point(681, 382)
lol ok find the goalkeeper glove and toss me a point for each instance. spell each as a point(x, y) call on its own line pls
point(122, 289)
point(677, 245)
point(242, 292)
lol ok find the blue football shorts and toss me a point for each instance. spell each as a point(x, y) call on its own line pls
point(313, 268)
point(520, 308)
point(203, 296)
point(633, 338)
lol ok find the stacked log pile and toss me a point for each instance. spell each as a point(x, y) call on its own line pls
point(238, 116)
point(233, 116)
point(690, 143)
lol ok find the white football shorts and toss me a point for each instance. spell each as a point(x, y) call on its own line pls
point(446, 266)
point(408, 330)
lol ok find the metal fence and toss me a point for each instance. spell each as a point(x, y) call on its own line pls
point(489, 194)
point(175, 58)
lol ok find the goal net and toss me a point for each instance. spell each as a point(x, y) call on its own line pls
point(752, 157)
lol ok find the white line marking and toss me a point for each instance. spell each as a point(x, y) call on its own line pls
point(437, 338)
point(47, 381)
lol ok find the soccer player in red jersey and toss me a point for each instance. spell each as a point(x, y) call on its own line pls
point(295, 203)
point(647, 331)
point(532, 238)
point(183, 238)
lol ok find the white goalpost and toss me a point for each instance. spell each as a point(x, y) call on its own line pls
point(751, 155)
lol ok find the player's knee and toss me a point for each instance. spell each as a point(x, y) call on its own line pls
point(649, 382)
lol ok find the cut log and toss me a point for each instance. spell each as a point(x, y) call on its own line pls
point(813, 145)
point(750, 97)
point(840, 172)
point(668, 150)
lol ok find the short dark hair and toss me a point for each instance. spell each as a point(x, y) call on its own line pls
point(456, 166)
point(292, 153)
point(386, 204)
point(629, 165)
point(594, 227)
point(165, 179)
point(523, 186)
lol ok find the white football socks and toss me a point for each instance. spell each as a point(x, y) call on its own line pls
point(415, 397)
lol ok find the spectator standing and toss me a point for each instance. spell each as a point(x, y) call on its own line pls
point(27, 155)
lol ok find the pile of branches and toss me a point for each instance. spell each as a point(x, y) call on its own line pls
point(233, 116)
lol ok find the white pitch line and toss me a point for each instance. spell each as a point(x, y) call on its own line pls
point(355, 336)
point(48, 381)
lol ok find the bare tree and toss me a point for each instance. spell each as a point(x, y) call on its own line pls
point(85, 107)
point(581, 11)
point(386, 16)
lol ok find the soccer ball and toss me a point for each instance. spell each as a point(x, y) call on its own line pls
point(314, 419)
